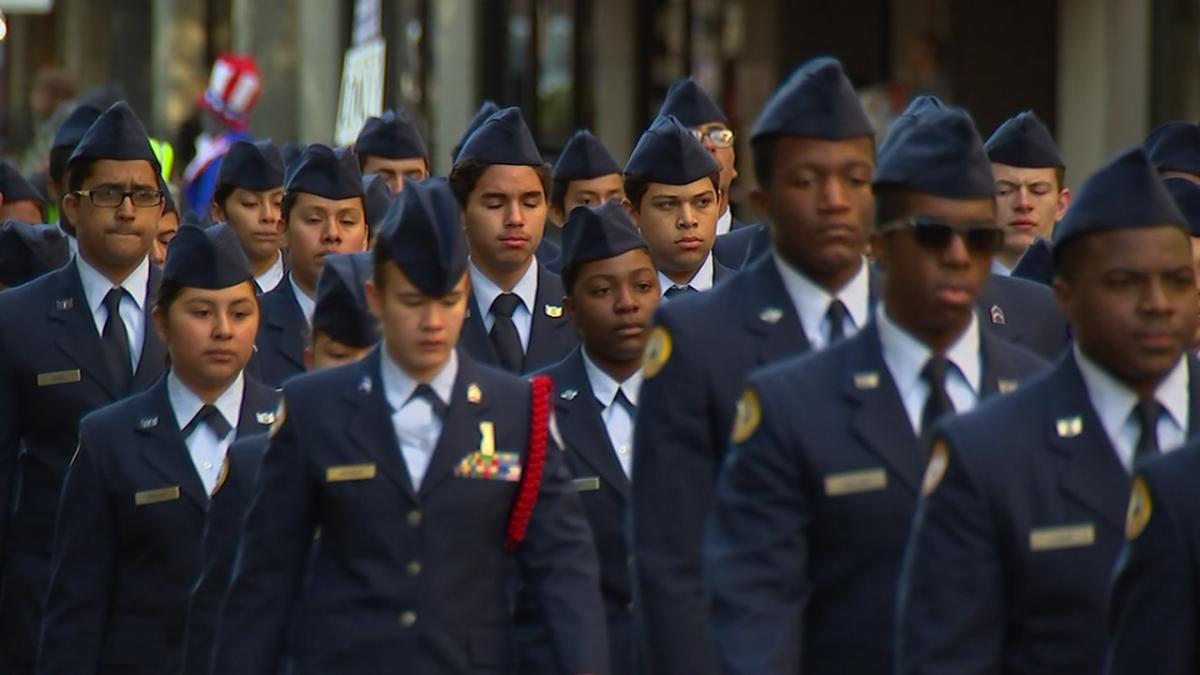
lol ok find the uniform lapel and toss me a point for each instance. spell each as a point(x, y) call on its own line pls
point(164, 448)
point(370, 422)
point(258, 409)
point(878, 418)
point(460, 429)
point(582, 428)
point(770, 313)
point(474, 337)
point(77, 336)
point(287, 321)
point(549, 320)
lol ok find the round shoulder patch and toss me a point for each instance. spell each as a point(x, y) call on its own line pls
point(222, 476)
point(1140, 507)
point(280, 416)
point(748, 415)
point(658, 350)
point(939, 460)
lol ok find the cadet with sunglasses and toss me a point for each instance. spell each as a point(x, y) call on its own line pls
point(1024, 505)
point(812, 509)
point(73, 341)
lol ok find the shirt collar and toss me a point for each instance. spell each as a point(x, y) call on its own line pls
point(486, 291)
point(96, 286)
point(812, 300)
point(604, 387)
point(905, 355)
point(1114, 401)
point(307, 304)
point(1000, 268)
point(270, 279)
point(702, 280)
point(725, 221)
point(398, 386)
point(186, 403)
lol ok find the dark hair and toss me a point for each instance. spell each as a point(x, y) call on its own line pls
point(77, 172)
point(636, 188)
point(222, 193)
point(466, 174)
point(58, 162)
point(558, 192)
point(1060, 174)
point(891, 203)
point(380, 256)
point(289, 202)
point(762, 152)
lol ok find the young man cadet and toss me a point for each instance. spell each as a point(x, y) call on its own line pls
point(812, 507)
point(689, 104)
point(612, 291)
point(814, 156)
point(18, 199)
point(249, 197)
point(1174, 149)
point(1030, 194)
point(323, 213)
point(128, 540)
point(343, 332)
point(411, 476)
point(72, 341)
point(515, 316)
point(674, 195)
point(585, 174)
point(391, 145)
point(72, 130)
point(1024, 503)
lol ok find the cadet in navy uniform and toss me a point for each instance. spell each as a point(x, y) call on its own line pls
point(128, 541)
point(27, 251)
point(814, 156)
point(323, 212)
point(1174, 149)
point(692, 106)
point(1031, 195)
point(343, 332)
point(811, 511)
point(586, 174)
point(515, 317)
point(61, 356)
point(612, 291)
point(410, 462)
point(249, 197)
point(391, 146)
point(1024, 503)
point(674, 191)
point(1154, 606)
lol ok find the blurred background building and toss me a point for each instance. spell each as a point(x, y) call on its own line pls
point(1101, 73)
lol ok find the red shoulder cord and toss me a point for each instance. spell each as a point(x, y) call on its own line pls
point(535, 463)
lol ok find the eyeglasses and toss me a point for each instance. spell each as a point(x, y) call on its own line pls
point(112, 197)
point(718, 136)
point(980, 238)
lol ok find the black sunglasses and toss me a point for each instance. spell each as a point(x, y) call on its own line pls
point(980, 238)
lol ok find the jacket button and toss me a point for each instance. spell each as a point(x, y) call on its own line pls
point(408, 618)
point(414, 518)
point(413, 568)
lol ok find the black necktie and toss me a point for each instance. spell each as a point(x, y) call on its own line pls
point(116, 340)
point(213, 418)
point(1148, 411)
point(938, 402)
point(426, 392)
point(679, 290)
point(505, 337)
point(622, 400)
point(836, 314)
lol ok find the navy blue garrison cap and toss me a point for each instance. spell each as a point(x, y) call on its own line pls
point(209, 258)
point(935, 148)
point(1186, 194)
point(13, 185)
point(377, 197)
point(485, 111)
point(392, 135)
point(596, 233)
point(668, 153)
point(1175, 146)
point(71, 131)
point(116, 134)
point(584, 157)
point(29, 250)
point(423, 234)
point(291, 152)
point(503, 138)
point(817, 101)
point(323, 172)
point(252, 166)
point(1023, 141)
point(691, 105)
point(341, 309)
point(1126, 193)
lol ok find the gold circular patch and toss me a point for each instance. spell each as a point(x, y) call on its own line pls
point(280, 416)
point(1140, 507)
point(658, 350)
point(222, 476)
point(748, 415)
point(939, 460)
